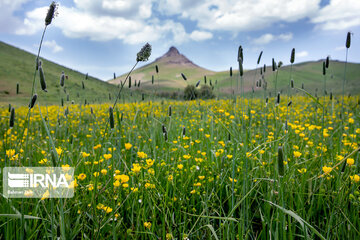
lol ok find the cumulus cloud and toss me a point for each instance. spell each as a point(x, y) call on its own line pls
point(200, 35)
point(53, 46)
point(268, 37)
point(338, 15)
point(236, 16)
point(94, 20)
point(8, 22)
point(302, 54)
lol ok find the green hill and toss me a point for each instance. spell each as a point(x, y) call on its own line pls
point(172, 64)
point(17, 66)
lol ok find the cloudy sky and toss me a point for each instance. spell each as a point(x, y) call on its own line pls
point(103, 36)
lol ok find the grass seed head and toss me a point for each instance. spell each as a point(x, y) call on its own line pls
point(130, 82)
point(111, 117)
point(324, 68)
point(273, 65)
point(240, 55)
point(17, 88)
point(292, 83)
point(348, 40)
point(83, 85)
point(152, 79)
point(157, 68)
point(231, 72)
point(292, 58)
point(183, 76)
point(52, 12)
point(33, 101)
point(42, 79)
point(241, 69)
point(327, 62)
point(169, 111)
point(278, 99)
point(144, 53)
point(264, 68)
point(259, 58)
point(205, 79)
point(197, 84)
point(12, 117)
point(62, 79)
point(280, 161)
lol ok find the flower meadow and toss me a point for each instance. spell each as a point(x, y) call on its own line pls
point(281, 167)
point(191, 170)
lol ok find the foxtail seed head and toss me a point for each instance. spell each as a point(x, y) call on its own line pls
point(348, 40)
point(33, 101)
point(292, 58)
point(111, 117)
point(12, 117)
point(259, 58)
point(42, 79)
point(183, 76)
point(280, 161)
point(62, 79)
point(144, 53)
point(52, 12)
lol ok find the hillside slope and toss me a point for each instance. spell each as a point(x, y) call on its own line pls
point(17, 66)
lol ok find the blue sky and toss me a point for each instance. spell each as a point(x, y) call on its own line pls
point(103, 36)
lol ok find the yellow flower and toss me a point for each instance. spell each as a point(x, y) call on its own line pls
point(355, 178)
point(149, 162)
point(302, 170)
point(103, 171)
point(193, 191)
point(351, 120)
point(149, 185)
point(326, 169)
point(136, 168)
point(141, 155)
point(90, 187)
point(96, 174)
point(128, 146)
point(297, 154)
point(170, 178)
point(147, 225)
point(116, 183)
point(45, 195)
point(180, 166)
point(107, 156)
point(84, 154)
point(28, 193)
point(65, 167)
point(122, 178)
point(10, 153)
point(81, 176)
point(107, 209)
point(350, 161)
point(59, 151)
point(201, 177)
point(229, 156)
point(197, 184)
point(232, 180)
point(97, 146)
point(43, 161)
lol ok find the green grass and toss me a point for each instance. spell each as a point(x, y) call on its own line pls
point(17, 66)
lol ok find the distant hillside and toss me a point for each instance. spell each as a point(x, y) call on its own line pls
point(173, 63)
point(170, 66)
point(17, 66)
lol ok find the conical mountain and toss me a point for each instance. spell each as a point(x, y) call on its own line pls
point(170, 66)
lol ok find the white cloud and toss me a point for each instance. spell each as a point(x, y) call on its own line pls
point(8, 22)
point(264, 39)
point(53, 46)
point(236, 16)
point(338, 15)
point(302, 54)
point(286, 37)
point(200, 35)
point(340, 48)
point(267, 38)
